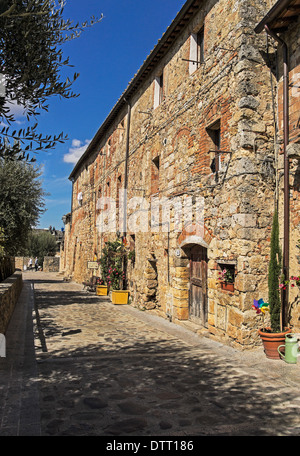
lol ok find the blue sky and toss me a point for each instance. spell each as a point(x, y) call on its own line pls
point(107, 56)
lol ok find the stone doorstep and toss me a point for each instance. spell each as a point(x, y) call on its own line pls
point(191, 326)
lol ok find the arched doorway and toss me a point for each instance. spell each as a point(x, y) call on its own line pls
point(198, 302)
point(194, 241)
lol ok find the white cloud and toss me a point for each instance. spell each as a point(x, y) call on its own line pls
point(76, 151)
point(16, 109)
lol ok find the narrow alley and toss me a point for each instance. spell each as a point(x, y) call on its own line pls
point(104, 370)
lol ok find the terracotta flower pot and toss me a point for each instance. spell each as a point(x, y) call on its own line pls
point(271, 341)
point(229, 286)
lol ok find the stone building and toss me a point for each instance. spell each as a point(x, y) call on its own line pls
point(188, 165)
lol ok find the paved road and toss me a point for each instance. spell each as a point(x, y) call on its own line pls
point(116, 371)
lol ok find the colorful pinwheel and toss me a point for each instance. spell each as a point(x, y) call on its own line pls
point(260, 306)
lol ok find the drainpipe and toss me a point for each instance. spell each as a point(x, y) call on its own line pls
point(286, 169)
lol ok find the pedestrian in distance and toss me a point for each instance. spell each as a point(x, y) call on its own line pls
point(30, 263)
point(36, 264)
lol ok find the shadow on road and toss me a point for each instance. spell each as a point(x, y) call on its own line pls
point(132, 380)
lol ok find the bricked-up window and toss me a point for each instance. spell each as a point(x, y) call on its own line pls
point(196, 50)
point(155, 175)
point(158, 90)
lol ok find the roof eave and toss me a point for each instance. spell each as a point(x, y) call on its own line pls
point(162, 45)
point(279, 6)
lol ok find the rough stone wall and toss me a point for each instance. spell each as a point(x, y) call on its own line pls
point(19, 263)
point(10, 290)
point(171, 149)
point(22, 262)
point(51, 264)
point(64, 247)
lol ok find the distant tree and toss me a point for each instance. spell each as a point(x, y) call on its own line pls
point(40, 244)
point(31, 36)
point(21, 202)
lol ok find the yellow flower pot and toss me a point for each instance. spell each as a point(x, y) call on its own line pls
point(101, 290)
point(119, 296)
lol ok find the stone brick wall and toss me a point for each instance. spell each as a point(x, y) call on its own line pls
point(171, 153)
point(10, 290)
point(51, 264)
point(22, 261)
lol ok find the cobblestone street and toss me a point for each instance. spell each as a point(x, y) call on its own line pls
point(116, 371)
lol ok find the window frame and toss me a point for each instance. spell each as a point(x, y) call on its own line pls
point(196, 50)
point(214, 132)
point(158, 90)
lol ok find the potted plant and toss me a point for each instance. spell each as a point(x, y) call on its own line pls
point(112, 264)
point(274, 336)
point(226, 279)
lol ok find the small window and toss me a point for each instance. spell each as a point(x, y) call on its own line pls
point(108, 147)
point(122, 129)
point(196, 50)
point(200, 47)
point(227, 276)
point(119, 183)
point(79, 198)
point(161, 88)
point(155, 175)
point(98, 204)
point(156, 162)
point(214, 132)
point(107, 188)
point(158, 90)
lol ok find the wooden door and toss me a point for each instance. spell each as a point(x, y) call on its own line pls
point(198, 284)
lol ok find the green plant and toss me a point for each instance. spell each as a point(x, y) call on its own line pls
point(292, 279)
point(40, 244)
point(131, 255)
point(32, 34)
point(22, 201)
point(226, 276)
point(112, 264)
point(273, 276)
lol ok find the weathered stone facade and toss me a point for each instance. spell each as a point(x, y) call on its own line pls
point(51, 264)
point(10, 290)
point(195, 140)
